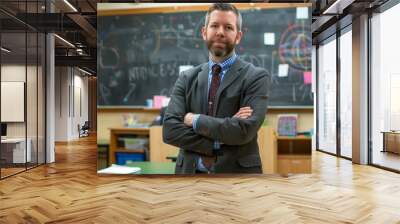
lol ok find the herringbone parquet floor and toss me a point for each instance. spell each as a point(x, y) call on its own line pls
point(69, 191)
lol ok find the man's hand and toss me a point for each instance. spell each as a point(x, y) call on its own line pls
point(188, 120)
point(244, 113)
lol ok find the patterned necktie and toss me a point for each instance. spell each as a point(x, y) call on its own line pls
point(215, 70)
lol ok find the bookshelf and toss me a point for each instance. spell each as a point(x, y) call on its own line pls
point(158, 150)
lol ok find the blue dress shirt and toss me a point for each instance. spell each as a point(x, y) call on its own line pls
point(225, 65)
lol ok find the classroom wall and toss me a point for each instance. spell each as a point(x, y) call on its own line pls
point(71, 102)
point(107, 118)
point(113, 117)
point(61, 104)
point(80, 110)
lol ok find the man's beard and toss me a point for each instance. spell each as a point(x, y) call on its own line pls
point(220, 52)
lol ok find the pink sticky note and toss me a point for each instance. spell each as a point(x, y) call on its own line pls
point(307, 77)
point(158, 101)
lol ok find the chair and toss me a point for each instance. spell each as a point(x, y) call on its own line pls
point(84, 130)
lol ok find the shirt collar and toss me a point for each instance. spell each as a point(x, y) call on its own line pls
point(225, 65)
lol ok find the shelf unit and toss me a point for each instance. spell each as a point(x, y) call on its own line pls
point(158, 150)
point(117, 133)
point(282, 154)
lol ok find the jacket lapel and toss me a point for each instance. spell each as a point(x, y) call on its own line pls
point(231, 75)
point(203, 87)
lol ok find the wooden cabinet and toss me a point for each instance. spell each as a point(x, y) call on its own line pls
point(391, 142)
point(284, 154)
point(268, 150)
point(159, 151)
point(294, 164)
point(294, 154)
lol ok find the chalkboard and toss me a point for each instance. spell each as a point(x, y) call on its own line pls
point(140, 55)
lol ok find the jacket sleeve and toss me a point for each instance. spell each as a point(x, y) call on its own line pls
point(175, 132)
point(235, 131)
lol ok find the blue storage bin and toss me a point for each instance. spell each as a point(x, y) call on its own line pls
point(122, 157)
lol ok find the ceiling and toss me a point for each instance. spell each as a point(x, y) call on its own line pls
point(77, 26)
point(77, 23)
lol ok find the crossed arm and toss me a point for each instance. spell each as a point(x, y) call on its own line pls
point(175, 132)
point(243, 113)
point(236, 130)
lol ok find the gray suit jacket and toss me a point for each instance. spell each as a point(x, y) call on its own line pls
point(243, 85)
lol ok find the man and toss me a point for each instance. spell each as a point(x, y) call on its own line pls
point(217, 108)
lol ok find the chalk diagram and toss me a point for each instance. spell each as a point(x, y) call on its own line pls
point(295, 47)
point(295, 50)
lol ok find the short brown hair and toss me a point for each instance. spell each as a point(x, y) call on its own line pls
point(225, 7)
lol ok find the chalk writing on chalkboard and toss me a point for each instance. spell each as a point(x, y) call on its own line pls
point(140, 55)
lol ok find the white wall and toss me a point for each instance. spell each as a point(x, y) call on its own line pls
point(81, 101)
point(13, 73)
point(61, 103)
point(71, 94)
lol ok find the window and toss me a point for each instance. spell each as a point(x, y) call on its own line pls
point(385, 85)
point(346, 93)
point(22, 68)
point(327, 96)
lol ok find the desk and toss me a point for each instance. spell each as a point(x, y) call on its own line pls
point(154, 167)
point(16, 147)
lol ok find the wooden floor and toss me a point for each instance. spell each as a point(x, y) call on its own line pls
point(69, 191)
point(5, 172)
point(10, 171)
point(387, 159)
